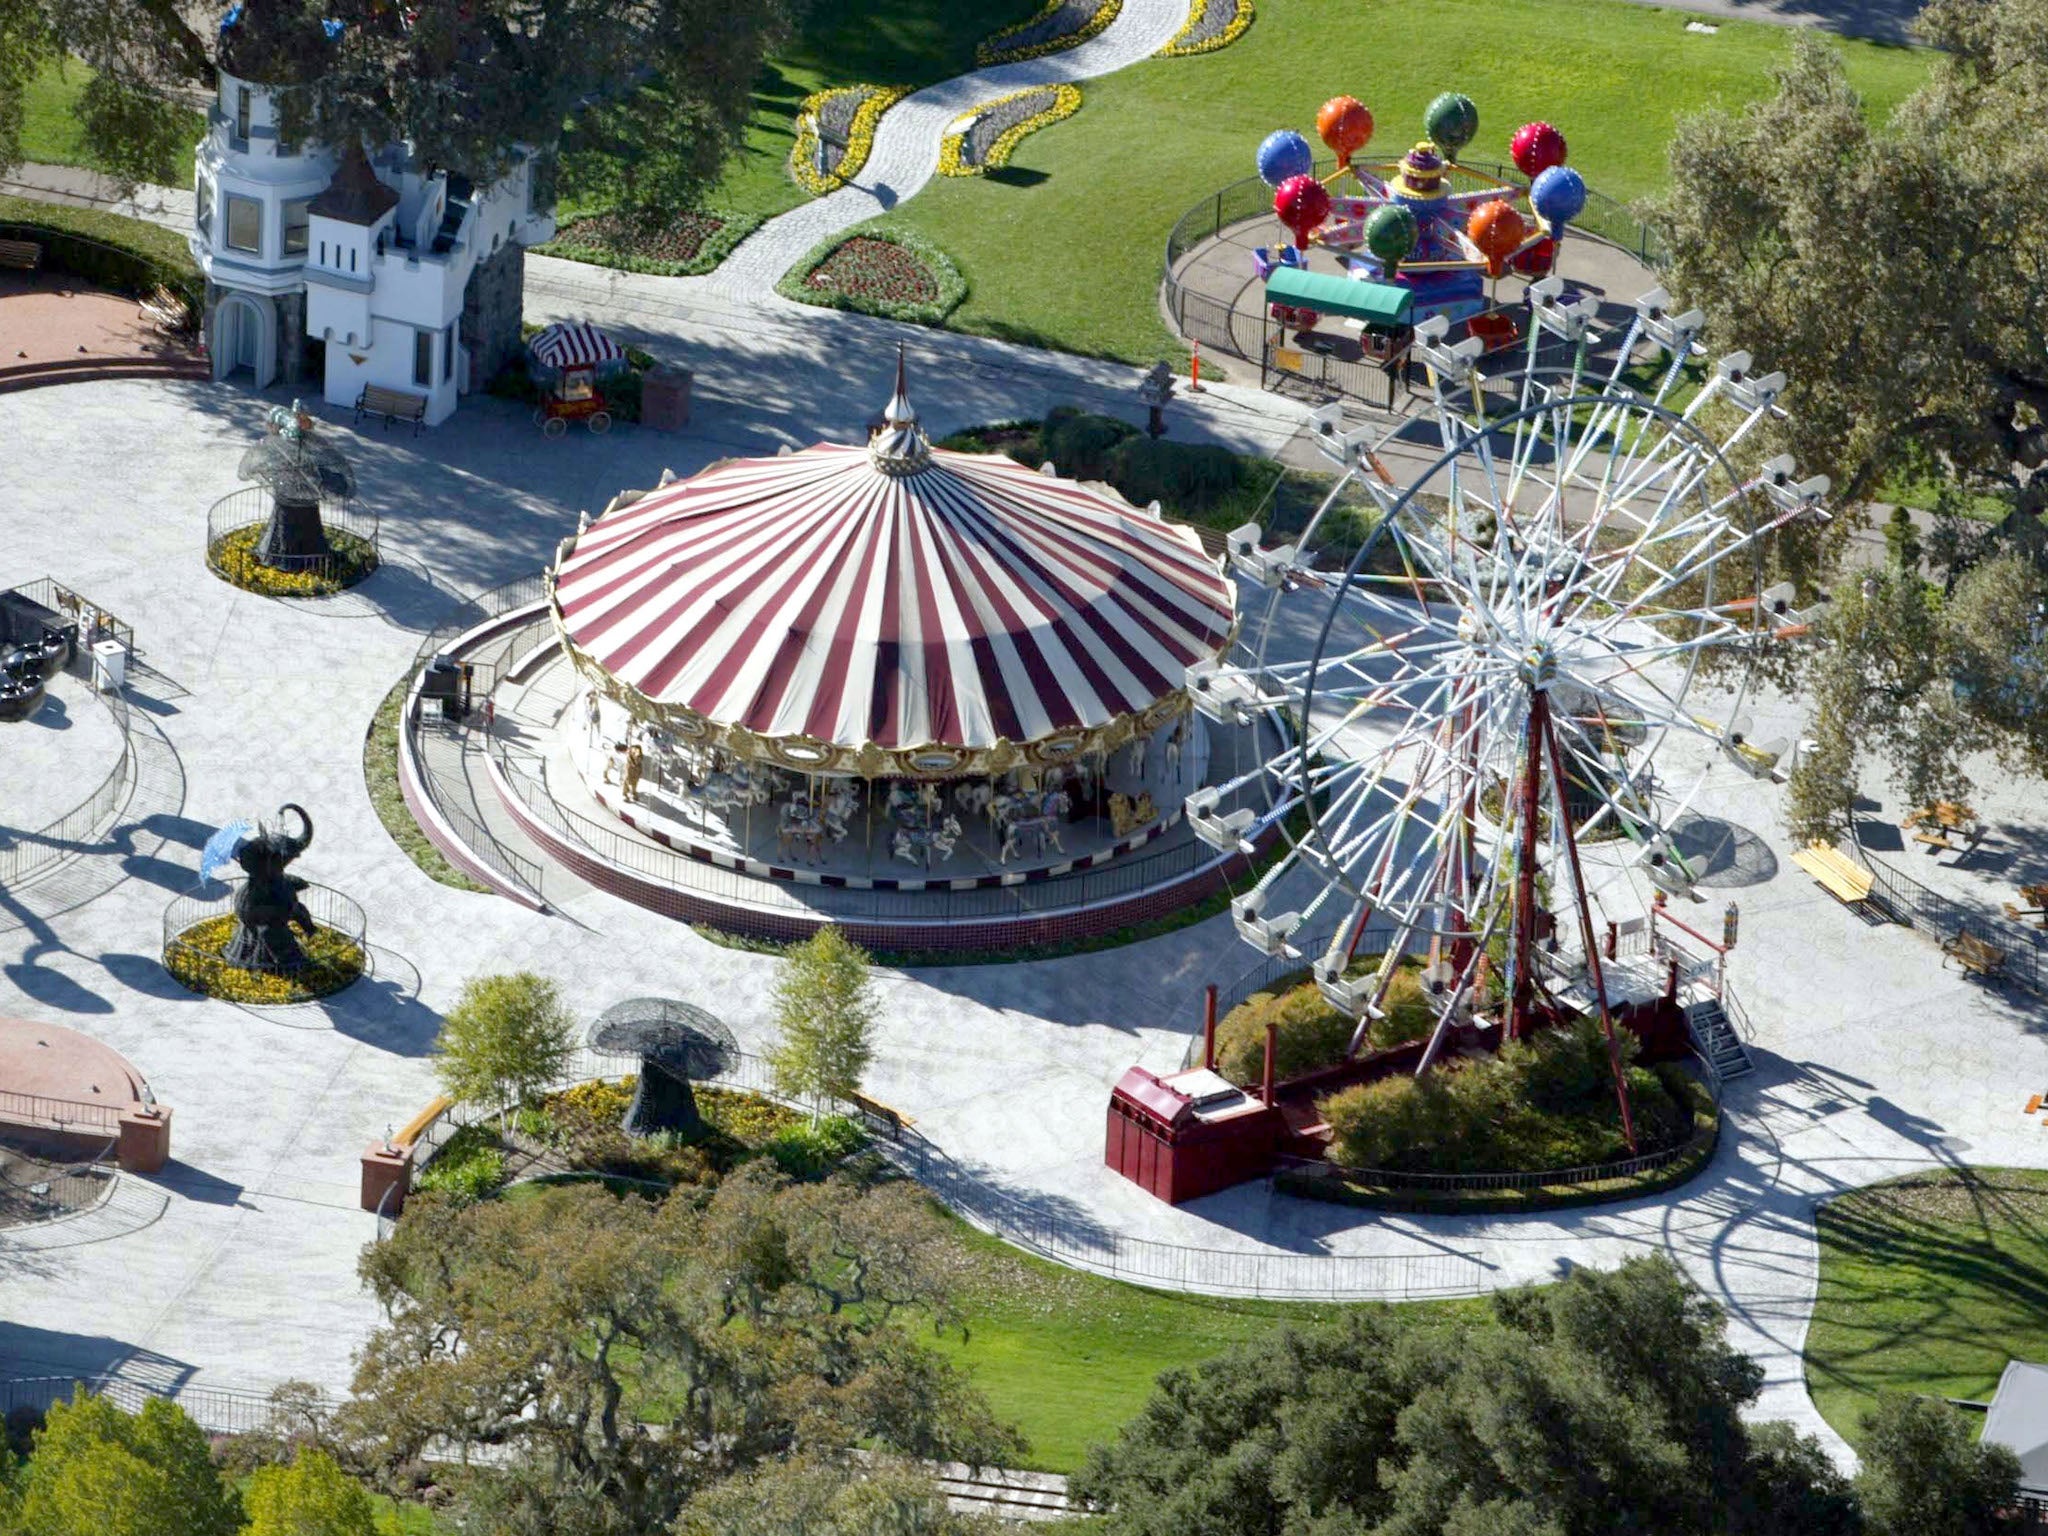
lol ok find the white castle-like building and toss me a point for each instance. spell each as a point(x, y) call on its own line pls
point(352, 268)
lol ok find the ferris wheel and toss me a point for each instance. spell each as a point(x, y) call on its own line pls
point(1485, 715)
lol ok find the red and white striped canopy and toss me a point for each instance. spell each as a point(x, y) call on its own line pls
point(895, 596)
point(573, 345)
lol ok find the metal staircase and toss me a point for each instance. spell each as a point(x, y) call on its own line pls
point(1715, 1039)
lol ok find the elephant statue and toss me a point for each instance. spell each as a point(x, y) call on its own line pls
point(268, 907)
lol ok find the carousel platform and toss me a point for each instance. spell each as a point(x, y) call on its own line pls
point(517, 788)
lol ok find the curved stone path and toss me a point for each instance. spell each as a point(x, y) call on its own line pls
point(905, 154)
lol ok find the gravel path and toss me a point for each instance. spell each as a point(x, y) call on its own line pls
point(906, 149)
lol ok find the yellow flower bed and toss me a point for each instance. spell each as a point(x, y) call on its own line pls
point(1066, 102)
point(992, 51)
point(195, 960)
point(1198, 13)
point(233, 558)
point(860, 138)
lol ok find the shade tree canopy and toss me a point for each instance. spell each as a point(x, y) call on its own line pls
point(646, 97)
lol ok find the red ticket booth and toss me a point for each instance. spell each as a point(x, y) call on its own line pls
point(1190, 1134)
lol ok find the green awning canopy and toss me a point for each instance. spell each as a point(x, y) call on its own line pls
point(1374, 303)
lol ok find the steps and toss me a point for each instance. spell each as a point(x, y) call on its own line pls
point(1715, 1039)
point(83, 370)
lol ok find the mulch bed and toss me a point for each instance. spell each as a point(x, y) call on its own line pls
point(1215, 20)
point(679, 239)
point(1064, 22)
point(875, 269)
point(999, 120)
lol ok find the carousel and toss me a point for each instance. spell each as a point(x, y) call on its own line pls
point(888, 665)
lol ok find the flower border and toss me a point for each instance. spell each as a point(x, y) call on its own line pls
point(990, 50)
point(1198, 12)
point(1066, 101)
point(952, 285)
point(860, 137)
point(719, 244)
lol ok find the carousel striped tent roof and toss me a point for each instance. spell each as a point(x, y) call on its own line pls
point(573, 344)
point(893, 595)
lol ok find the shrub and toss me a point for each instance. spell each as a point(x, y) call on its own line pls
point(470, 1166)
point(810, 1151)
point(1080, 444)
point(746, 1117)
point(1536, 1105)
point(128, 255)
point(1311, 1033)
point(1185, 478)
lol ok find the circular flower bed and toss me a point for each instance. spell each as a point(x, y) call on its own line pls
point(232, 557)
point(889, 272)
point(196, 958)
point(682, 245)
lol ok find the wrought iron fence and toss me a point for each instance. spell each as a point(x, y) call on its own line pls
point(491, 603)
point(94, 622)
point(251, 507)
point(327, 907)
point(29, 853)
point(217, 1410)
point(1944, 919)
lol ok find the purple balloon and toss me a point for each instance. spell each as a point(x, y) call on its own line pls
point(1558, 196)
point(1285, 153)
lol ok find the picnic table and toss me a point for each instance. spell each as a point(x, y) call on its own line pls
point(1932, 824)
point(2033, 903)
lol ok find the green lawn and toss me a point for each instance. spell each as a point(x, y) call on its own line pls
point(1071, 1356)
point(50, 133)
point(1928, 1284)
point(847, 42)
point(1064, 248)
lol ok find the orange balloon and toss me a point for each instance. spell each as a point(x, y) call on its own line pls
point(1498, 231)
point(1345, 125)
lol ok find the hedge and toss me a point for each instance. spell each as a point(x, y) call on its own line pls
point(952, 286)
point(127, 255)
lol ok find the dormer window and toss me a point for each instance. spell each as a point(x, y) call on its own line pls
point(242, 112)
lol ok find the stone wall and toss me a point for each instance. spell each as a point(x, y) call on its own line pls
point(491, 313)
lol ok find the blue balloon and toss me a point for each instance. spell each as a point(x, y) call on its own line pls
point(1285, 153)
point(1558, 195)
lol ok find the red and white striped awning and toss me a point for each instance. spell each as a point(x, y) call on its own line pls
point(892, 597)
point(574, 345)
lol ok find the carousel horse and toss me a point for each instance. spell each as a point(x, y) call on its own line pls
point(919, 847)
point(841, 801)
point(1139, 745)
point(974, 798)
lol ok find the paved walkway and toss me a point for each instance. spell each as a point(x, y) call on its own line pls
point(235, 1266)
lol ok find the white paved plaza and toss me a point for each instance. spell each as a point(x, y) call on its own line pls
point(237, 1265)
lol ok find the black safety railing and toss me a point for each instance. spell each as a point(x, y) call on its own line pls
point(29, 852)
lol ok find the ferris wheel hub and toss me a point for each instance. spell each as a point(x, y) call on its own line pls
point(1539, 667)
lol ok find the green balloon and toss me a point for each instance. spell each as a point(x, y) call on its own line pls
point(1451, 122)
point(1390, 234)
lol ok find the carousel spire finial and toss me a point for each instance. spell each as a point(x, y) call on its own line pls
point(900, 447)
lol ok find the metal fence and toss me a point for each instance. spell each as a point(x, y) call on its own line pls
point(251, 507)
point(67, 1115)
point(217, 1410)
point(1943, 919)
point(29, 853)
point(1121, 877)
point(492, 603)
point(327, 906)
point(94, 622)
point(1241, 331)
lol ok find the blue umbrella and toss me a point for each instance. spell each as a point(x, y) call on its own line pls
point(221, 847)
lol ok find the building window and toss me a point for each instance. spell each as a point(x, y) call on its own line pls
point(448, 354)
point(202, 211)
point(423, 359)
point(295, 224)
point(241, 112)
point(323, 253)
point(245, 224)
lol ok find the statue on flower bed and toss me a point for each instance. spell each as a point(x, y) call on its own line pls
point(268, 906)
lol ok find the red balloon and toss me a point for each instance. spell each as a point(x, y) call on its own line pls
point(1536, 147)
point(1345, 125)
point(1498, 230)
point(1301, 202)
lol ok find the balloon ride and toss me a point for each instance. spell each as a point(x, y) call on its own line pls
point(1424, 222)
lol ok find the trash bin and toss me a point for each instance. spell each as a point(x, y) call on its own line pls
point(665, 399)
point(109, 666)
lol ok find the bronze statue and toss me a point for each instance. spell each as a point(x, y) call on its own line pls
point(268, 907)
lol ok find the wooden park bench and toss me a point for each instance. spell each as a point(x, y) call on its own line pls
point(887, 1115)
point(22, 255)
point(1977, 956)
point(1838, 874)
point(392, 405)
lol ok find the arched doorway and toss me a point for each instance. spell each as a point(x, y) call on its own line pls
point(243, 337)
